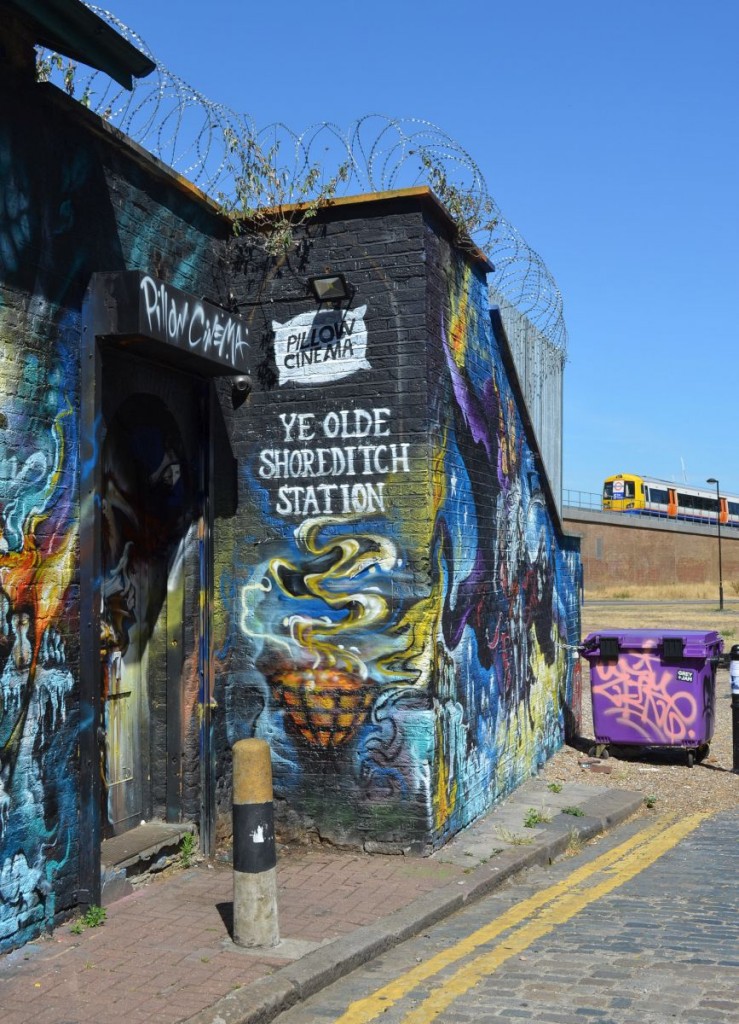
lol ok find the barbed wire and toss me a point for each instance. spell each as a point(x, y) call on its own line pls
point(195, 137)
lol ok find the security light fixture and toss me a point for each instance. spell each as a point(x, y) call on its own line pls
point(331, 288)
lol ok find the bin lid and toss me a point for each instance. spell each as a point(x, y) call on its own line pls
point(695, 643)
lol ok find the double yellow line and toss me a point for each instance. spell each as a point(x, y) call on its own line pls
point(526, 922)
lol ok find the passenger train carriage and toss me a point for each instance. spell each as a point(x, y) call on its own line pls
point(643, 495)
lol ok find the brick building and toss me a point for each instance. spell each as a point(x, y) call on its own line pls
point(229, 510)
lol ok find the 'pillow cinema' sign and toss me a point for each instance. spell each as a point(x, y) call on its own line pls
point(313, 348)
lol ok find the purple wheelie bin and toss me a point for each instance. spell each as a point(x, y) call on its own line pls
point(653, 688)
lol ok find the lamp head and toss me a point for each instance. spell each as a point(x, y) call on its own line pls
point(331, 288)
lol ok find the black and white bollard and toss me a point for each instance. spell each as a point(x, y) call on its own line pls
point(734, 678)
point(254, 855)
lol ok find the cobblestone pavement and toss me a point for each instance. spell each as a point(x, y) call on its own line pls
point(661, 948)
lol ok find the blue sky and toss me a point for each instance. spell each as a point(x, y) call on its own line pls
point(607, 133)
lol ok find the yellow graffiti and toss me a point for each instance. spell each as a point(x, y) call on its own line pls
point(351, 556)
point(518, 738)
point(445, 795)
point(438, 473)
point(459, 321)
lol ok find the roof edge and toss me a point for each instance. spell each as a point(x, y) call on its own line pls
point(422, 195)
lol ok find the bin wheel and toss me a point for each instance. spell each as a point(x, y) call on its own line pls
point(599, 750)
point(605, 753)
point(691, 759)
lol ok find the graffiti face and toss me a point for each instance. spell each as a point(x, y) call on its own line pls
point(505, 583)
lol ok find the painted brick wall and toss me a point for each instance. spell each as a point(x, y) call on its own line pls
point(321, 577)
point(406, 657)
point(394, 600)
point(503, 676)
point(72, 202)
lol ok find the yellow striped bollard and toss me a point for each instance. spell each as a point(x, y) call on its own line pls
point(254, 855)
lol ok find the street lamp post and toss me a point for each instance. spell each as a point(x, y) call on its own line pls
point(713, 480)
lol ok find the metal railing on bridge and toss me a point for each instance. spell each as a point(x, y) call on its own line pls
point(582, 499)
point(592, 502)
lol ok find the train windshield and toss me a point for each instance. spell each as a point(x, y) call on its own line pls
point(618, 489)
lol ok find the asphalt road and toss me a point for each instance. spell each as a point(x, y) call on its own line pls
point(639, 928)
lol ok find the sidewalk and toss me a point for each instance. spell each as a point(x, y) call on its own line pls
point(165, 955)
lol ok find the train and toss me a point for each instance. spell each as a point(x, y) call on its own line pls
point(644, 495)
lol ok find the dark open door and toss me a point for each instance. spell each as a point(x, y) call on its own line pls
point(150, 508)
point(149, 355)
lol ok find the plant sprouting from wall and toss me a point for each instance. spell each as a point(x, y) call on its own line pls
point(473, 214)
point(48, 62)
point(270, 200)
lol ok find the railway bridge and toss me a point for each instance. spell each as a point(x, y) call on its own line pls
point(634, 552)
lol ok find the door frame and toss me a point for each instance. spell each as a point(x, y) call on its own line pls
point(111, 315)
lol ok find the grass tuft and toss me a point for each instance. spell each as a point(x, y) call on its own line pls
point(532, 818)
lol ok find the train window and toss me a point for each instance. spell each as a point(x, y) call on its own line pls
point(696, 503)
point(618, 489)
point(657, 496)
point(734, 508)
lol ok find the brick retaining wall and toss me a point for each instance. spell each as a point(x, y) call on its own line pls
point(651, 554)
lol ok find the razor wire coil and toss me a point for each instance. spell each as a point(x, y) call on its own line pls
point(199, 139)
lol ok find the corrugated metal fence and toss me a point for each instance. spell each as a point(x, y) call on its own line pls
point(540, 366)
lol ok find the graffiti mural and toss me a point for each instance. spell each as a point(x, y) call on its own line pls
point(403, 614)
point(59, 222)
point(506, 598)
point(38, 532)
point(326, 614)
point(38, 455)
